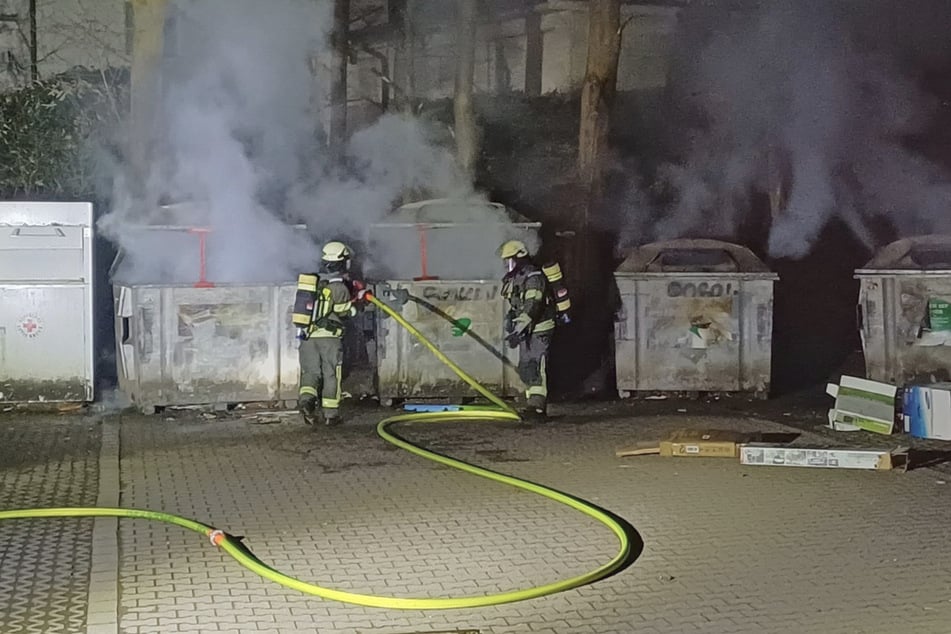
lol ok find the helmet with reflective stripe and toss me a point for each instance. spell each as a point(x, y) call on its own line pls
point(513, 249)
point(335, 252)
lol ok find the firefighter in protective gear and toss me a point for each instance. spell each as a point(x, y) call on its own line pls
point(529, 323)
point(321, 347)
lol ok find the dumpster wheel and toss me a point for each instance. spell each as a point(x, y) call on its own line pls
point(499, 411)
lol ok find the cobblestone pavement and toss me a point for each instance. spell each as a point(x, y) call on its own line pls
point(726, 548)
point(45, 564)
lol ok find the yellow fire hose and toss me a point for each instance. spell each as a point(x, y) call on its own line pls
point(243, 556)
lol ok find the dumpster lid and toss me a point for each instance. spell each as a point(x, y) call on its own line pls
point(183, 225)
point(692, 256)
point(453, 211)
point(917, 253)
point(38, 214)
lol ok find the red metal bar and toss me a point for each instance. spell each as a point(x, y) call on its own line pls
point(422, 230)
point(202, 257)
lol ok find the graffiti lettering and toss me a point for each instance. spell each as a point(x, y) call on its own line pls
point(702, 289)
point(461, 293)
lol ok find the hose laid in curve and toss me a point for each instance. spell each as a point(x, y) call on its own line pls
point(243, 556)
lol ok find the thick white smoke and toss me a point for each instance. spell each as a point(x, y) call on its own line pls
point(240, 151)
point(819, 88)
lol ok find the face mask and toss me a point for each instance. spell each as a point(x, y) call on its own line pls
point(510, 265)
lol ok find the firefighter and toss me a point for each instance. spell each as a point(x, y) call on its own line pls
point(529, 324)
point(321, 346)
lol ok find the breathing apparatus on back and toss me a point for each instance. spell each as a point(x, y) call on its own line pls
point(334, 263)
point(515, 254)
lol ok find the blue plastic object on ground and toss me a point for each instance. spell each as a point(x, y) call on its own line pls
point(419, 407)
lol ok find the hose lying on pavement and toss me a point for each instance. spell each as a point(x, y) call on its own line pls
point(501, 412)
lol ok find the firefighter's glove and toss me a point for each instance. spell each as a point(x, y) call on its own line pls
point(513, 340)
point(509, 323)
point(521, 323)
point(302, 334)
point(358, 291)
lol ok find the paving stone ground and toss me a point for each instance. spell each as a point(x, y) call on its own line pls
point(45, 564)
point(726, 548)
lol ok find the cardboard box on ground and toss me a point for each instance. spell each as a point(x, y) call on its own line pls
point(778, 456)
point(926, 411)
point(710, 443)
point(860, 404)
point(715, 443)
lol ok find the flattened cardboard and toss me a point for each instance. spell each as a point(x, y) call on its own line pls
point(756, 454)
point(711, 443)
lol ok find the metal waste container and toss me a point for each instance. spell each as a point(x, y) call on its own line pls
point(440, 256)
point(696, 316)
point(46, 302)
point(904, 311)
point(195, 342)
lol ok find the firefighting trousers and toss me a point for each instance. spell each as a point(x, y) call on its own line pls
point(533, 368)
point(321, 365)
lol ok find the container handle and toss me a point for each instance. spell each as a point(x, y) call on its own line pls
point(38, 232)
point(126, 330)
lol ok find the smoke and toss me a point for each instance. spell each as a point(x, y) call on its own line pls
point(817, 96)
point(240, 151)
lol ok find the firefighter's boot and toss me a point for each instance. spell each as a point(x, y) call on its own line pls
point(331, 417)
point(308, 411)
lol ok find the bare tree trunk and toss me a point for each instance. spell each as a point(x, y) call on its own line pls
point(338, 88)
point(403, 17)
point(600, 86)
point(147, 46)
point(467, 135)
point(534, 54)
point(594, 246)
point(34, 57)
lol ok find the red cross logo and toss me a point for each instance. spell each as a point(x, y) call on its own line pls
point(30, 326)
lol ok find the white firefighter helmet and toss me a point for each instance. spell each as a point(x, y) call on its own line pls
point(335, 252)
point(513, 249)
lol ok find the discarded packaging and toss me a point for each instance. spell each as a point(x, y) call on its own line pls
point(712, 443)
point(926, 411)
point(703, 444)
point(781, 456)
point(862, 404)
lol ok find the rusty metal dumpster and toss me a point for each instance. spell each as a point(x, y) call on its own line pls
point(904, 311)
point(46, 302)
point(442, 254)
point(696, 316)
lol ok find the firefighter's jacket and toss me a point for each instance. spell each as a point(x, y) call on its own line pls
point(334, 306)
point(526, 290)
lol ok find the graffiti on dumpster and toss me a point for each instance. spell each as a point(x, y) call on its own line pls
point(461, 293)
point(701, 289)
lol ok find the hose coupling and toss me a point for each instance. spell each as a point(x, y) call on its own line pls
point(216, 537)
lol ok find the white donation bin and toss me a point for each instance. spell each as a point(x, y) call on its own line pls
point(46, 302)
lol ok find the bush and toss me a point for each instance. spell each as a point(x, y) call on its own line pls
point(52, 130)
